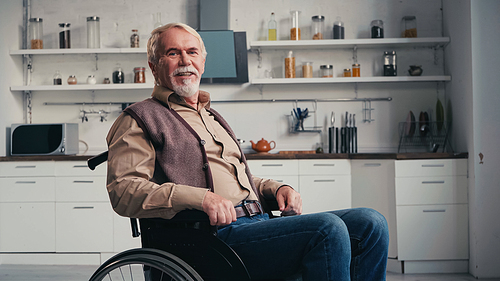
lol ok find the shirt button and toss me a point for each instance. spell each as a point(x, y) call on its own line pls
point(205, 166)
point(203, 142)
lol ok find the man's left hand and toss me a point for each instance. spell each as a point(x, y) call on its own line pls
point(289, 201)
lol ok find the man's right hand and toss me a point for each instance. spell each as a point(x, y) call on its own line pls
point(219, 209)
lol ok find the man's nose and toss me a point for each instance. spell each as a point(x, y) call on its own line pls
point(185, 60)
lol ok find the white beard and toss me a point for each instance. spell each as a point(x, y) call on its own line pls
point(188, 88)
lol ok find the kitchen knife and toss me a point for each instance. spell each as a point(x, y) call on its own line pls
point(331, 134)
point(355, 133)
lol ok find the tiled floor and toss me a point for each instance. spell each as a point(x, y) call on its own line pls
point(81, 273)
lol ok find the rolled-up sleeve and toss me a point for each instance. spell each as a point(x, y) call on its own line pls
point(267, 187)
point(131, 164)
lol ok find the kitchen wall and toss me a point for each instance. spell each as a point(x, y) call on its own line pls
point(250, 121)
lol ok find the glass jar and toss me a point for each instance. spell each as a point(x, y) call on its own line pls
point(91, 80)
point(290, 65)
point(326, 70)
point(272, 29)
point(377, 29)
point(118, 75)
point(318, 27)
point(390, 67)
point(36, 33)
point(72, 80)
point(134, 39)
point(338, 29)
point(347, 72)
point(93, 33)
point(295, 30)
point(57, 78)
point(106, 81)
point(356, 70)
point(64, 36)
point(158, 21)
point(409, 26)
point(139, 75)
point(307, 69)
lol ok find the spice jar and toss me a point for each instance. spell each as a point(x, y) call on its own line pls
point(36, 33)
point(307, 69)
point(318, 27)
point(106, 81)
point(295, 30)
point(64, 36)
point(390, 68)
point(409, 26)
point(93, 33)
point(356, 70)
point(338, 29)
point(377, 29)
point(57, 78)
point(134, 39)
point(118, 75)
point(290, 65)
point(139, 76)
point(91, 80)
point(347, 72)
point(72, 80)
point(326, 70)
point(272, 29)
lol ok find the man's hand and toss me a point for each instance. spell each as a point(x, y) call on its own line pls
point(289, 201)
point(219, 209)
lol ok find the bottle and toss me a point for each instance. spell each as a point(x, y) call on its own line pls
point(338, 29)
point(36, 33)
point(93, 33)
point(139, 76)
point(57, 78)
point(390, 68)
point(158, 21)
point(377, 29)
point(290, 65)
point(307, 69)
point(72, 80)
point(64, 36)
point(326, 70)
point(91, 80)
point(356, 70)
point(272, 29)
point(118, 76)
point(318, 27)
point(134, 39)
point(295, 30)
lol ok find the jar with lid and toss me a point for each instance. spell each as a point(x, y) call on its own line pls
point(356, 70)
point(72, 80)
point(158, 21)
point(295, 30)
point(272, 29)
point(134, 39)
point(338, 29)
point(377, 29)
point(139, 75)
point(307, 69)
point(290, 65)
point(91, 80)
point(118, 75)
point(106, 80)
point(64, 36)
point(326, 70)
point(318, 27)
point(57, 78)
point(347, 72)
point(93, 33)
point(390, 67)
point(409, 26)
point(36, 33)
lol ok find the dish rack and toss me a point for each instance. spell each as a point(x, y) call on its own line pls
point(295, 126)
point(428, 137)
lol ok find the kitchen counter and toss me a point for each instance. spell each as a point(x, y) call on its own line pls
point(271, 156)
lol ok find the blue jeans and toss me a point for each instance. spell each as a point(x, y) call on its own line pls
point(349, 244)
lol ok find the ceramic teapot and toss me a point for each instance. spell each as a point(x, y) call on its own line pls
point(263, 146)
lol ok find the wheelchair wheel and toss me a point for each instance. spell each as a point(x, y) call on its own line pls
point(145, 265)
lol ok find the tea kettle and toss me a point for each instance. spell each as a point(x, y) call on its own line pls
point(263, 146)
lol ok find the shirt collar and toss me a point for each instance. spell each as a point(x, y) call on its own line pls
point(168, 96)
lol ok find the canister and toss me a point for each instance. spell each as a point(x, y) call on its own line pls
point(347, 72)
point(134, 39)
point(338, 29)
point(390, 67)
point(356, 70)
point(36, 33)
point(93, 32)
point(326, 70)
point(139, 75)
point(295, 30)
point(409, 26)
point(318, 27)
point(64, 36)
point(377, 29)
point(290, 65)
point(307, 69)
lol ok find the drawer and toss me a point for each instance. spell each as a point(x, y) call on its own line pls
point(324, 167)
point(27, 189)
point(437, 232)
point(27, 169)
point(431, 190)
point(81, 189)
point(273, 167)
point(325, 193)
point(292, 181)
point(430, 168)
point(78, 168)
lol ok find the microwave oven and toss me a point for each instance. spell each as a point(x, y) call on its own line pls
point(44, 139)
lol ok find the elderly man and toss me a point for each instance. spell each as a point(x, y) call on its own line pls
point(174, 152)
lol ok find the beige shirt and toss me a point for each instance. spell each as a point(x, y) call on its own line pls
point(131, 164)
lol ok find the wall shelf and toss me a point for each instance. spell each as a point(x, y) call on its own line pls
point(373, 79)
point(78, 51)
point(84, 87)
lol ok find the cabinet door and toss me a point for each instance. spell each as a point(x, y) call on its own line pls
point(325, 193)
point(431, 190)
point(81, 189)
point(27, 169)
point(273, 167)
point(122, 235)
point(84, 227)
point(433, 232)
point(78, 168)
point(431, 168)
point(27, 227)
point(27, 189)
point(324, 167)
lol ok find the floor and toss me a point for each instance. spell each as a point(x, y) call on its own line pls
point(81, 273)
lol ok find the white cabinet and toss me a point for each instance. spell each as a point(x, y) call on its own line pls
point(285, 171)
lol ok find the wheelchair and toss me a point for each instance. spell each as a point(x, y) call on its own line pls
point(184, 248)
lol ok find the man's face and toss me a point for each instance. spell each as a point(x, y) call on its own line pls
point(181, 63)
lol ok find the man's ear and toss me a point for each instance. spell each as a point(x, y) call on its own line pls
point(153, 69)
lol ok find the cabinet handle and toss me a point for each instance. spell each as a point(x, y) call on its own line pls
point(80, 166)
point(372, 164)
point(433, 166)
point(324, 180)
point(279, 180)
point(323, 165)
point(25, 182)
point(24, 167)
point(433, 182)
point(83, 207)
point(272, 165)
point(434, 211)
point(83, 181)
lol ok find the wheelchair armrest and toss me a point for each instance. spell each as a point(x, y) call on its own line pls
point(97, 160)
point(187, 219)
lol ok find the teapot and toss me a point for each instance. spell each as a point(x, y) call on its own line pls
point(263, 146)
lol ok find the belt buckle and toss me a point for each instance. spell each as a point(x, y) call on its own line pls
point(247, 210)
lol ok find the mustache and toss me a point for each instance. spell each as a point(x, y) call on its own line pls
point(185, 69)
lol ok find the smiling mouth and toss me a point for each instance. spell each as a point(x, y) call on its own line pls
point(184, 74)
